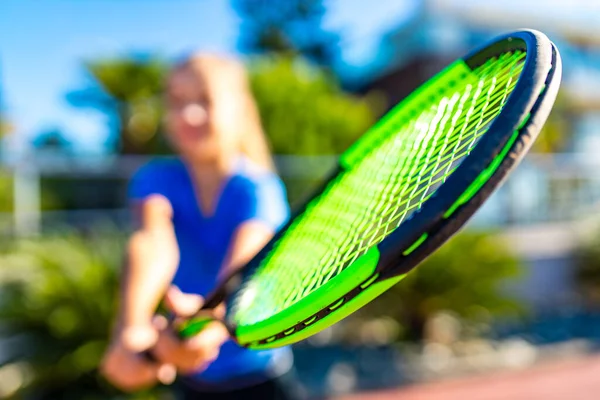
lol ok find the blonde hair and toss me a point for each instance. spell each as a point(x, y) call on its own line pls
point(252, 139)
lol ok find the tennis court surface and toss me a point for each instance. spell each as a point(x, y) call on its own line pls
point(573, 379)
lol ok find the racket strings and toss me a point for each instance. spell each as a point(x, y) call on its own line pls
point(462, 147)
point(348, 202)
point(392, 180)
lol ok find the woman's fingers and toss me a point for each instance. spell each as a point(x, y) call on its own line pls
point(166, 374)
point(124, 368)
point(182, 304)
point(191, 354)
point(138, 338)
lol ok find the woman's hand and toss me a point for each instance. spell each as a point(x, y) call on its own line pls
point(126, 369)
point(191, 354)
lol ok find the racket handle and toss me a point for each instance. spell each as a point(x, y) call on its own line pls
point(224, 290)
point(194, 325)
point(184, 330)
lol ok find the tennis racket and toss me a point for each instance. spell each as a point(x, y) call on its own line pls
point(397, 194)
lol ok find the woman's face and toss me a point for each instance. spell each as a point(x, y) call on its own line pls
point(200, 116)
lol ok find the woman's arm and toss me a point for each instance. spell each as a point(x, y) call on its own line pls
point(152, 259)
point(264, 210)
point(247, 241)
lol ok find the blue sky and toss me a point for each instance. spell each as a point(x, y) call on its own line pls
point(42, 44)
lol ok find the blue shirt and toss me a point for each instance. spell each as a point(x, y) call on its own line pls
point(250, 194)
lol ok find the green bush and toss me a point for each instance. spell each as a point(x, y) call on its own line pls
point(305, 112)
point(58, 298)
point(464, 277)
point(129, 90)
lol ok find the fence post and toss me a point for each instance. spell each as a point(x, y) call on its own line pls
point(26, 199)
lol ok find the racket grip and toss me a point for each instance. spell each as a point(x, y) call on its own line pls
point(191, 326)
point(184, 330)
point(194, 325)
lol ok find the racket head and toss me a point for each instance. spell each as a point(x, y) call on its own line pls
point(355, 239)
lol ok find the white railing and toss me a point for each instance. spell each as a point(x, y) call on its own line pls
point(544, 188)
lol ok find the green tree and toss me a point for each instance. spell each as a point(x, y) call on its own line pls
point(305, 112)
point(129, 91)
point(465, 277)
point(58, 300)
point(289, 26)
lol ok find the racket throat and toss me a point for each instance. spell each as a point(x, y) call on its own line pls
point(223, 291)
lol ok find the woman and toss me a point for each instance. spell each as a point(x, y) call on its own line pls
point(201, 215)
